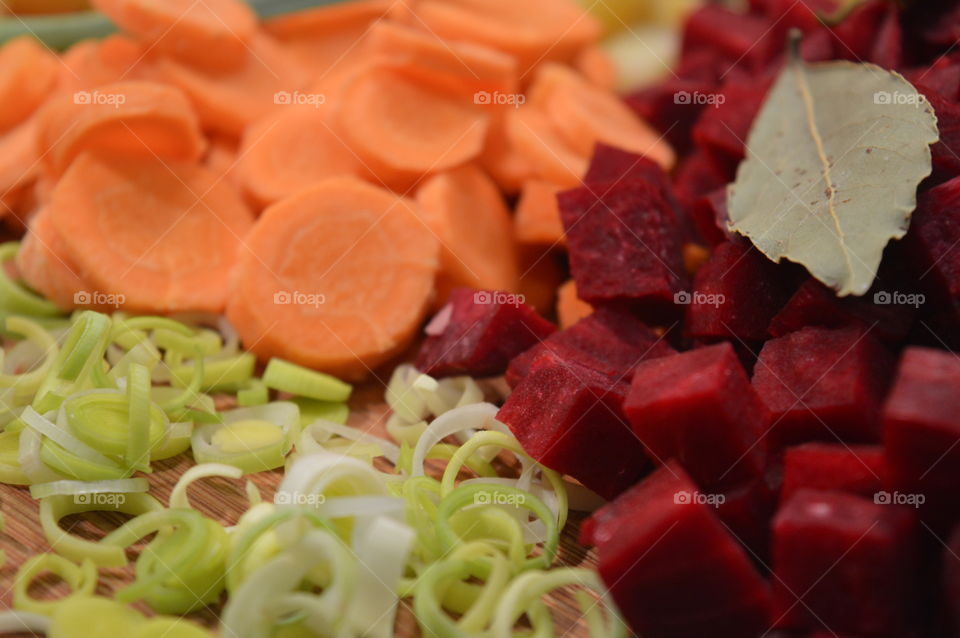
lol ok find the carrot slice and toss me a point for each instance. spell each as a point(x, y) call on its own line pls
point(570, 307)
point(597, 67)
point(132, 118)
point(221, 158)
point(403, 129)
point(465, 210)
point(336, 277)
point(227, 102)
point(585, 114)
point(460, 67)
point(541, 273)
point(213, 34)
point(537, 219)
point(536, 138)
point(324, 37)
point(531, 30)
point(500, 158)
point(162, 235)
point(28, 74)
point(19, 162)
point(43, 264)
point(290, 150)
point(93, 63)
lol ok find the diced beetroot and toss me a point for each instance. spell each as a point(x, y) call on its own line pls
point(921, 421)
point(736, 294)
point(723, 129)
point(945, 31)
point(747, 509)
point(737, 37)
point(698, 407)
point(932, 241)
point(480, 331)
point(871, 33)
point(710, 217)
point(672, 568)
point(570, 418)
point(698, 175)
point(946, 152)
point(850, 561)
point(942, 77)
point(611, 341)
point(816, 305)
point(822, 384)
point(624, 244)
point(855, 469)
point(800, 14)
point(951, 577)
point(663, 108)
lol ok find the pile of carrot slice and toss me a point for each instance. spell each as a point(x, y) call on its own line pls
point(325, 177)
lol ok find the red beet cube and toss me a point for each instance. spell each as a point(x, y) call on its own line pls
point(748, 508)
point(671, 566)
point(932, 240)
point(570, 418)
point(698, 175)
point(723, 129)
point(666, 108)
point(921, 421)
point(736, 294)
point(698, 407)
point(816, 305)
point(855, 469)
point(611, 341)
point(624, 244)
point(822, 384)
point(478, 332)
point(850, 561)
point(871, 33)
point(951, 577)
point(942, 77)
point(729, 35)
point(946, 152)
point(709, 214)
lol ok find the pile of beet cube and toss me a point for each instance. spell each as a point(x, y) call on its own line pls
point(778, 461)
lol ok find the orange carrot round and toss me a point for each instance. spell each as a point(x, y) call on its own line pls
point(290, 150)
point(129, 118)
point(570, 307)
point(467, 213)
point(212, 33)
point(227, 102)
point(42, 262)
point(403, 129)
point(28, 74)
point(336, 277)
point(536, 138)
point(161, 235)
point(537, 218)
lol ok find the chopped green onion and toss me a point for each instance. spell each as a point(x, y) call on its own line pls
point(289, 377)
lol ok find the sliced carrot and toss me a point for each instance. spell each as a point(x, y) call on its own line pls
point(460, 67)
point(336, 277)
point(570, 307)
point(93, 63)
point(290, 150)
point(131, 118)
point(213, 34)
point(19, 163)
point(227, 102)
point(584, 114)
point(465, 210)
point(536, 138)
point(325, 36)
point(500, 158)
point(403, 129)
point(162, 235)
point(531, 30)
point(43, 264)
point(597, 67)
point(537, 218)
point(221, 158)
point(541, 273)
point(28, 74)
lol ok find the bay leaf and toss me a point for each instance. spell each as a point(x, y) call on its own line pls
point(832, 167)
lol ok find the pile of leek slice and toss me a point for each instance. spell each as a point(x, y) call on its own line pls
point(451, 519)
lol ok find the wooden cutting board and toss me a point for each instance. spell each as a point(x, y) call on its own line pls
point(225, 500)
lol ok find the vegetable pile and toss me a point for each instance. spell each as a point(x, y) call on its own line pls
point(775, 419)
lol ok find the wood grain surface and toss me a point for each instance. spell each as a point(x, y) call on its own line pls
point(224, 500)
